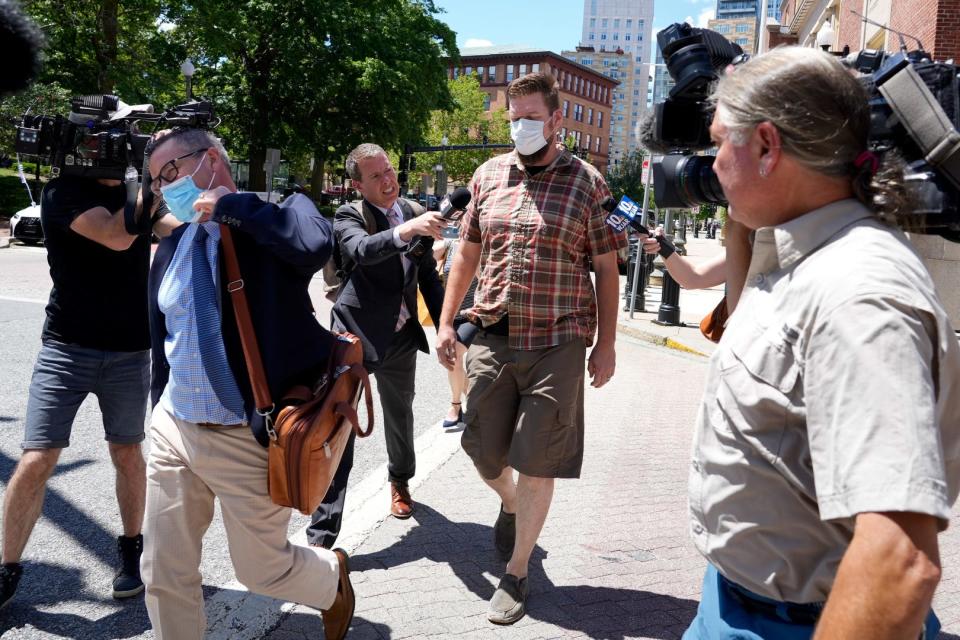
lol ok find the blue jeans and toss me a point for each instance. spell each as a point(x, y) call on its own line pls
point(66, 374)
point(720, 616)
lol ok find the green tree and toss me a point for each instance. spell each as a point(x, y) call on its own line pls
point(315, 77)
point(468, 122)
point(109, 46)
point(625, 178)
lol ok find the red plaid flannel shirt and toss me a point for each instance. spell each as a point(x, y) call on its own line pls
point(536, 233)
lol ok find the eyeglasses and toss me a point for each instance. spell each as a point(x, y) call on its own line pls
point(170, 171)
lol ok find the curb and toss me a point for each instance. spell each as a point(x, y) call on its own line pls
point(4, 243)
point(658, 340)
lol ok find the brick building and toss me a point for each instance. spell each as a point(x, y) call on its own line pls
point(935, 23)
point(586, 95)
point(628, 98)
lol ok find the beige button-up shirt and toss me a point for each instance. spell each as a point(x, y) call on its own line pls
point(835, 391)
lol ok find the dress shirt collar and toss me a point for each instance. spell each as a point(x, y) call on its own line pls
point(786, 244)
point(386, 212)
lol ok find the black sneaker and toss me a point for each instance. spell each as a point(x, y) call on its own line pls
point(505, 533)
point(128, 583)
point(9, 579)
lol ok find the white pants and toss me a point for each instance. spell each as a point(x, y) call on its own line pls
point(189, 466)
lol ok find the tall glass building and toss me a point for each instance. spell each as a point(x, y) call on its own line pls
point(621, 27)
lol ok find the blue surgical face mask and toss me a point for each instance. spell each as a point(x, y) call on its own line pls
point(181, 194)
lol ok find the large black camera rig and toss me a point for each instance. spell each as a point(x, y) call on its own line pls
point(101, 137)
point(915, 112)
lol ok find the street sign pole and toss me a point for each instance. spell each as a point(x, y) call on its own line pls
point(643, 217)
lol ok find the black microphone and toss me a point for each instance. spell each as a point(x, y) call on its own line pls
point(455, 205)
point(647, 134)
point(20, 44)
point(452, 207)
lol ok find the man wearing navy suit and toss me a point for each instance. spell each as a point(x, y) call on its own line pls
point(378, 303)
point(207, 441)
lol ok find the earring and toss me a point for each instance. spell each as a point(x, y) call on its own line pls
point(763, 172)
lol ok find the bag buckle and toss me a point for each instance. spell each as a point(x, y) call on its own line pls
point(267, 415)
point(235, 286)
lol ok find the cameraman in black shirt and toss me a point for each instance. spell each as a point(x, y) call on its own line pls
point(95, 340)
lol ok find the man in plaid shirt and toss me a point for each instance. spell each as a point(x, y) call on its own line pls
point(534, 225)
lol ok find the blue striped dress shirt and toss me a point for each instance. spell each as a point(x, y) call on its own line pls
point(188, 394)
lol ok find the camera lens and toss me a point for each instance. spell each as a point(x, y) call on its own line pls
point(681, 181)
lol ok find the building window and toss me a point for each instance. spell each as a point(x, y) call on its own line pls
point(491, 74)
point(469, 71)
point(742, 41)
point(636, 92)
point(639, 59)
point(599, 119)
point(578, 112)
point(722, 28)
point(593, 23)
point(603, 23)
point(568, 80)
point(522, 71)
point(480, 73)
point(590, 37)
point(616, 23)
point(563, 133)
point(626, 36)
point(590, 115)
point(743, 28)
point(486, 102)
point(456, 72)
point(535, 68)
point(509, 73)
point(606, 62)
point(629, 23)
point(616, 36)
point(586, 61)
point(598, 144)
point(589, 140)
point(566, 108)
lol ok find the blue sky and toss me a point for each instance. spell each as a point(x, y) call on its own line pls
point(554, 25)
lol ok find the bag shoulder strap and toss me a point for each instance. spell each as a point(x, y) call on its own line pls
point(248, 339)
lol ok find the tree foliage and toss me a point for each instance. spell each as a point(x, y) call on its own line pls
point(468, 122)
point(625, 178)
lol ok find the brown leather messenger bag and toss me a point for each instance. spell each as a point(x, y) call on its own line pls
point(313, 425)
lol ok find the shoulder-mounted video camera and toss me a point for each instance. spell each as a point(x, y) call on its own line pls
point(914, 106)
point(101, 137)
point(915, 110)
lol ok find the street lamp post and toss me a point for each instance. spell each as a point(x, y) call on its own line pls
point(187, 69)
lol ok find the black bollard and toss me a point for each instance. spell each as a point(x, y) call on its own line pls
point(669, 312)
point(635, 250)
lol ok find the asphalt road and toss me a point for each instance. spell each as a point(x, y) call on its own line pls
point(70, 560)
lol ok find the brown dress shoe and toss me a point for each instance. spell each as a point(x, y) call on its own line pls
point(337, 619)
point(401, 504)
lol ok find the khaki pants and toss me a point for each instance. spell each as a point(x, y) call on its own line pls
point(188, 467)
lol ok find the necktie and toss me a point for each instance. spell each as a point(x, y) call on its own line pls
point(213, 356)
point(395, 219)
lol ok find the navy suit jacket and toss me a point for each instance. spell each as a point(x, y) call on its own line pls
point(279, 250)
point(368, 305)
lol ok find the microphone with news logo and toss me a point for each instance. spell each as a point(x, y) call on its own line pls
point(624, 214)
point(452, 208)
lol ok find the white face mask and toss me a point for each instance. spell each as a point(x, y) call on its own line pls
point(527, 135)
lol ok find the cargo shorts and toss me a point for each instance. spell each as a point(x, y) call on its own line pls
point(524, 408)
